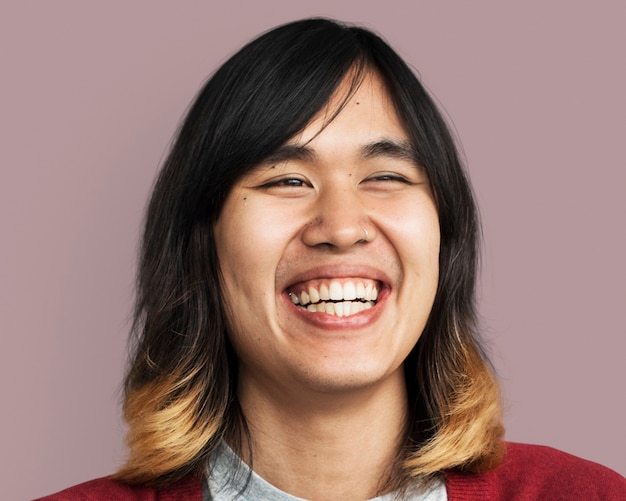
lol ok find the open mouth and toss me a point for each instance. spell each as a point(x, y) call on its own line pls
point(335, 297)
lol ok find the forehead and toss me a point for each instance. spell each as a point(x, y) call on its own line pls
point(359, 107)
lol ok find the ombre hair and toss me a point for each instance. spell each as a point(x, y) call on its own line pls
point(180, 389)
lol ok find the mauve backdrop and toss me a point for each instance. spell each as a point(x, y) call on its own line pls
point(92, 92)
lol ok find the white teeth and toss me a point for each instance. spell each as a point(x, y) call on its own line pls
point(371, 293)
point(339, 309)
point(314, 295)
point(336, 291)
point(349, 291)
point(338, 299)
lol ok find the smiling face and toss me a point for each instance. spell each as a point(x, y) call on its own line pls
point(329, 253)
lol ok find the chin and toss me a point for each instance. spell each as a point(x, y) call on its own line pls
point(345, 377)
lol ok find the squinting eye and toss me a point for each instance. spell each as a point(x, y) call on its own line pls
point(288, 182)
point(390, 177)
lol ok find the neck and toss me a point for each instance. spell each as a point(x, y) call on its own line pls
point(311, 444)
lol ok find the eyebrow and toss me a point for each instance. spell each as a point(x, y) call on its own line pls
point(402, 150)
point(289, 152)
point(390, 148)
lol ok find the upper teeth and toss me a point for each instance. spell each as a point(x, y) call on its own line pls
point(336, 291)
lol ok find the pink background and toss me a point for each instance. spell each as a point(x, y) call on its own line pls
point(91, 93)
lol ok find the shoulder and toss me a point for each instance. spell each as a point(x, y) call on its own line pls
point(531, 472)
point(105, 489)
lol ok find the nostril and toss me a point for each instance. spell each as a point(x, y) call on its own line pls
point(337, 226)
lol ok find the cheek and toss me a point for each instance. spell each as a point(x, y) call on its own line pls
point(241, 261)
point(250, 240)
point(429, 238)
point(417, 234)
point(432, 241)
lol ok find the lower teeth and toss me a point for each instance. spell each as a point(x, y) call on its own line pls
point(340, 309)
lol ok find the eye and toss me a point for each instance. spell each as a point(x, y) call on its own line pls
point(388, 177)
point(286, 182)
point(290, 182)
point(286, 186)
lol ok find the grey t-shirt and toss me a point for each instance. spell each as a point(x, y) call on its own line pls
point(230, 479)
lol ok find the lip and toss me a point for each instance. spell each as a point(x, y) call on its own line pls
point(339, 271)
point(332, 322)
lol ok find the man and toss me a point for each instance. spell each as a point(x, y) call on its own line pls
point(305, 319)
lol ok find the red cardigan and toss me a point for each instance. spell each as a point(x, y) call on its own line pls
point(529, 472)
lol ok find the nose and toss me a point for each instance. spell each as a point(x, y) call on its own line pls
point(338, 220)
